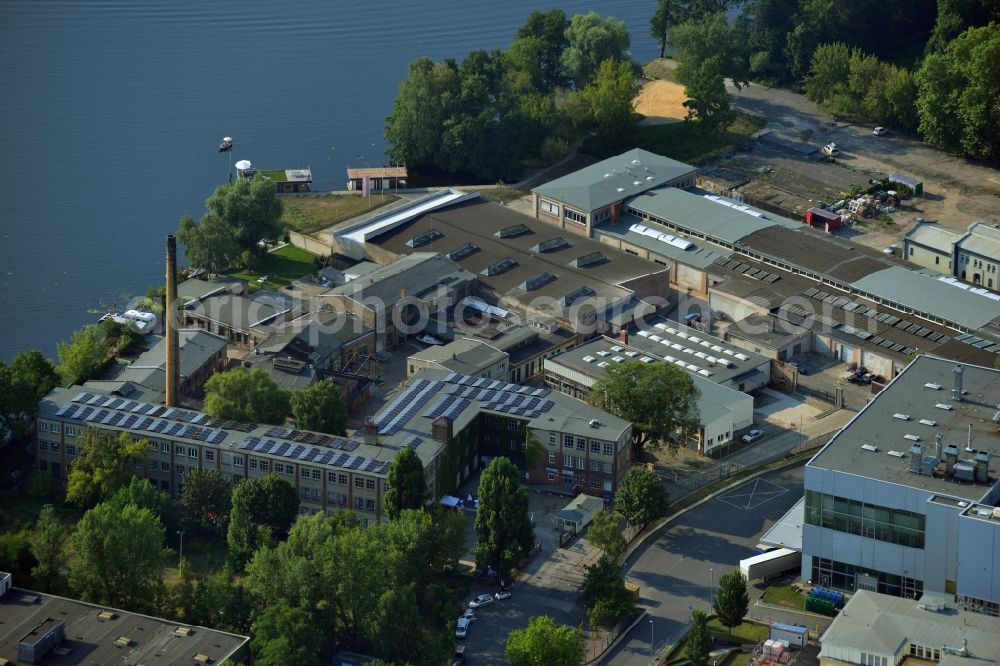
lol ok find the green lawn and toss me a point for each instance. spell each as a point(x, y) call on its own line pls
point(748, 632)
point(281, 267)
point(502, 194)
point(685, 141)
point(310, 213)
point(784, 595)
point(658, 69)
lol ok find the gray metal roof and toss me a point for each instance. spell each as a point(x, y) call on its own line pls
point(882, 624)
point(924, 293)
point(196, 347)
point(915, 394)
point(410, 274)
point(982, 239)
point(702, 256)
point(463, 355)
point(692, 212)
point(787, 532)
point(934, 236)
point(613, 179)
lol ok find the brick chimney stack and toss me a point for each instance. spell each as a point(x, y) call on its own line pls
point(171, 318)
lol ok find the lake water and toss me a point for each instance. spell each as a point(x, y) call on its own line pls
point(111, 113)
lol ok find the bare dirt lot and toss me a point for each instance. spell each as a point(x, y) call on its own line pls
point(958, 191)
point(661, 102)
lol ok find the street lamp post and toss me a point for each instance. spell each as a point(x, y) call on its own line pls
point(650, 638)
point(711, 572)
point(180, 556)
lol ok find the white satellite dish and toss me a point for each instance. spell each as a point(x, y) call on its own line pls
point(243, 165)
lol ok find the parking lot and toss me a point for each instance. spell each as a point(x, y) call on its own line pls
point(547, 586)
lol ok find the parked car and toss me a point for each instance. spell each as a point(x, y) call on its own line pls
point(880, 131)
point(831, 149)
point(481, 600)
point(429, 339)
point(470, 614)
point(459, 653)
point(501, 595)
point(752, 436)
point(462, 630)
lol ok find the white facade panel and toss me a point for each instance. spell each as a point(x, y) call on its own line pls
point(979, 558)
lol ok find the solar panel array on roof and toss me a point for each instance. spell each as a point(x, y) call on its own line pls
point(537, 281)
point(516, 230)
point(313, 455)
point(424, 238)
point(499, 267)
point(409, 401)
point(551, 245)
point(462, 251)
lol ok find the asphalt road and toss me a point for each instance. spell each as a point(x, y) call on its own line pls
point(677, 570)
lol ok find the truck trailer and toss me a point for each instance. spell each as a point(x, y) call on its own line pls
point(771, 564)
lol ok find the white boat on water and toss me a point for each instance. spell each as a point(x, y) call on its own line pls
point(142, 322)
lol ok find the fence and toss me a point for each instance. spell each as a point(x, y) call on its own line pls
point(596, 647)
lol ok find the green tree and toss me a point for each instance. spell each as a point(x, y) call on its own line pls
point(103, 464)
point(959, 94)
point(708, 100)
point(119, 557)
point(206, 498)
point(24, 382)
point(250, 209)
point(263, 508)
point(16, 557)
point(506, 535)
point(731, 601)
point(641, 497)
point(406, 486)
point(609, 97)
point(953, 17)
point(421, 108)
point(83, 355)
point(538, 48)
point(604, 591)
point(605, 532)
point(591, 40)
point(246, 395)
point(320, 407)
point(285, 635)
point(709, 38)
point(829, 70)
point(48, 545)
point(667, 11)
point(544, 643)
point(209, 244)
point(145, 495)
point(397, 615)
point(699, 639)
point(659, 399)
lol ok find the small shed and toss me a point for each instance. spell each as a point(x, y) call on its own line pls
point(795, 635)
point(577, 514)
point(915, 184)
point(379, 178)
point(826, 220)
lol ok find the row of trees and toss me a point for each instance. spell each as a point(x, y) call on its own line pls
point(483, 116)
point(248, 395)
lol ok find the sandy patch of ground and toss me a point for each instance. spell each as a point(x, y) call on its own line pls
point(661, 102)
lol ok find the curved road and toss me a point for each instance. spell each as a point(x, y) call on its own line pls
point(677, 570)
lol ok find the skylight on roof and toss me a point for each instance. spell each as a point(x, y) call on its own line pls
point(424, 238)
point(537, 281)
point(551, 245)
point(499, 267)
point(514, 231)
point(463, 251)
point(592, 259)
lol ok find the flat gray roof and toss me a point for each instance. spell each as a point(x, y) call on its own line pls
point(703, 255)
point(592, 357)
point(463, 355)
point(91, 639)
point(879, 623)
point(613, 179)
point(925, 293)
point(414, 274)
point(916, 393)
point(714, 359)
point(196, 347)
point(693, 212)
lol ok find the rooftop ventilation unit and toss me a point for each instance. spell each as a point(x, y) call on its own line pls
point(943, 405)
point(901, 417)
point(928, 422)
point(589, 359)
point(912, 438)
point(617, 348)
point(932, 385)
point(869, 447)
point(897, 454)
